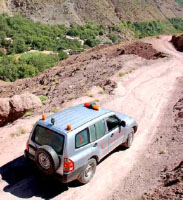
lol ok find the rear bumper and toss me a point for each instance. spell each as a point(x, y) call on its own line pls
point(65, 178)
point(28, 156)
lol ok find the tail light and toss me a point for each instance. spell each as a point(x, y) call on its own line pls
point(27, 145)
point(68, 165)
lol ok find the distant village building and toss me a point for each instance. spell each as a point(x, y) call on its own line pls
point(9, 39)
point(75, 38)
point(68, 51)
point(44, 52)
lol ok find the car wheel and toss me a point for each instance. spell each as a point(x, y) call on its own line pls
point(88, 172)
point(130, 138)
point(47, 160)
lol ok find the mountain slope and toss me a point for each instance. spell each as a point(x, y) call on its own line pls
point(101, 12)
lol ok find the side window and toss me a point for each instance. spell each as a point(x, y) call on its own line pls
point(100, 129)
point(82, 138)
point(112, 122)
point(92, 133)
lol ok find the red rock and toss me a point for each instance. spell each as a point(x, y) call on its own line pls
point(177, 41)
point(24, 102)
point(4, 110)
point(14, 108)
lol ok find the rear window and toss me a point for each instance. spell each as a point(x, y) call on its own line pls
point(45, 136)
point(82, 138)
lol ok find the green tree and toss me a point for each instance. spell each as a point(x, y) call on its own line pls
point(8, 69)
point(92, 42)
point(113, 37)
point(1, 52)
point(18, 46)
point(62, 55)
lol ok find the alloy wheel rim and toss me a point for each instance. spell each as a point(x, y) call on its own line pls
point(44, 161)
point(88, 170)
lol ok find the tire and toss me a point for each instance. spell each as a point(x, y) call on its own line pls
point(88, 172)
point(47, 160)
point(130, 138)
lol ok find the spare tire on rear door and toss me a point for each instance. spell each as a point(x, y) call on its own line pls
point(47, 159)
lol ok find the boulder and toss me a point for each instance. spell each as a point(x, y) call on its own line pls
point(108, 85)
point(4, 110)
point(177, 41)
point(24, 102)
point(15, 107)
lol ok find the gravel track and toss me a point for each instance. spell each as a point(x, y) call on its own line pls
point(143, 94)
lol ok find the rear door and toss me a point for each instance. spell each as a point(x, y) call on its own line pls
point(99, 139)
point(82, 148)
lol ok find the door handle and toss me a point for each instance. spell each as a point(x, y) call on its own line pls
point(95, 144)
point(112, 134)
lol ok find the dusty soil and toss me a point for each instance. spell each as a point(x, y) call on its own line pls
point(171, 177)
point(74, 77)
point(156, 175)
point(172, 186)
point(147, 91)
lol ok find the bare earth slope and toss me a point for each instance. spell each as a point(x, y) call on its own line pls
point(75, 76)
point(144, 94)
point(101, 12)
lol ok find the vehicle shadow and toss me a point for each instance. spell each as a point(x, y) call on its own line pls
point(117, 149)
point(24, 181)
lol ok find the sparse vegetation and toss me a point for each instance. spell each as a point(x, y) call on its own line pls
point(113, 37)
point(42, 98)
point(94, 101)
point(102, 91)
point(71, 97)
point(55, 109)
point(62, 55)
point(180, 2)
point(121, 74)
point(28, 113)
point(20, 131)
point(163, 151)
point(89, 95)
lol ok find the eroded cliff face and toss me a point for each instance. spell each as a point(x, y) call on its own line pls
point(100, 12)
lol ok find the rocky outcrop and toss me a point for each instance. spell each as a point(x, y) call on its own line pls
point(4, 110)
point(177, 41)
point(15, 107)
point(141, 49)
point(100, 12)
point(171, 187)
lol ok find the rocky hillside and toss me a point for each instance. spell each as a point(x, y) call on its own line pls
point(75, 76)
point(101, 12)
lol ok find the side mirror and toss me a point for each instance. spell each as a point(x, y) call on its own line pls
point(123, 123)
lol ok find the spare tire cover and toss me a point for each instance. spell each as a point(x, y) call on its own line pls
point(47, 159)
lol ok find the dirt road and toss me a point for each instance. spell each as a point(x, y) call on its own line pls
point(143, 94)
